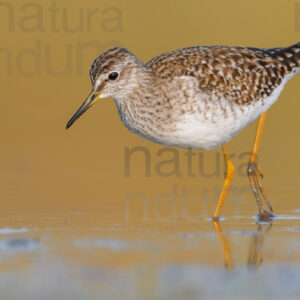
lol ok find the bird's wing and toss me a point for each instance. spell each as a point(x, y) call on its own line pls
point(238, 74)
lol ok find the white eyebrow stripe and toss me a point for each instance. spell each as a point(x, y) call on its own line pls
point(97, 83)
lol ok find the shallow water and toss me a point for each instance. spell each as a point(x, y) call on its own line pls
point(56, 257)
point(81, 219)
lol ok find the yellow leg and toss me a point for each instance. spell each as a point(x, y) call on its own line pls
point(228, 177)
point(255, 173)
point(227, 254)
point(260, 126)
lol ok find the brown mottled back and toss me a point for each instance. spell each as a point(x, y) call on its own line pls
point(240, 74)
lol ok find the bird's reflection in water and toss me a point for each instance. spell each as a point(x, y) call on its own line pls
point(255, 257)
point(229, 265)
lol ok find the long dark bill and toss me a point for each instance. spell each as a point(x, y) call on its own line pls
point(91, 99)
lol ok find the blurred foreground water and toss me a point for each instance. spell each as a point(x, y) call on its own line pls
point(77, 256)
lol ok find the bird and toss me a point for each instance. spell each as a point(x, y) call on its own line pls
point(197, 98)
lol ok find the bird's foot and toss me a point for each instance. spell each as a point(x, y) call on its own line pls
point(255, 175)
point(265, 216)
point(215, 219)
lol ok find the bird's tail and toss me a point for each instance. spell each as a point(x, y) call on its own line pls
point(289, 56)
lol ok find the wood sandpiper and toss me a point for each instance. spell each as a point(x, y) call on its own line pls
point(196, 98)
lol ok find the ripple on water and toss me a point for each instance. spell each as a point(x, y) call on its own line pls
point(12, 230)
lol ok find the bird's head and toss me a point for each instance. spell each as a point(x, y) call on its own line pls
point(115, 73)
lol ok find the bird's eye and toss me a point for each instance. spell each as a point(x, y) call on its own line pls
point(113, 76)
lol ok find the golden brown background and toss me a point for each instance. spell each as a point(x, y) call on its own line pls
point(43, 166)
point(62, 175)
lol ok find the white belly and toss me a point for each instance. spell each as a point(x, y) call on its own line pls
point(214, 128)
point(205, 124)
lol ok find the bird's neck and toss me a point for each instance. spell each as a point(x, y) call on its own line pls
point(140, 106)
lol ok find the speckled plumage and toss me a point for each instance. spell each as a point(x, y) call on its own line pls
point(197, 97)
